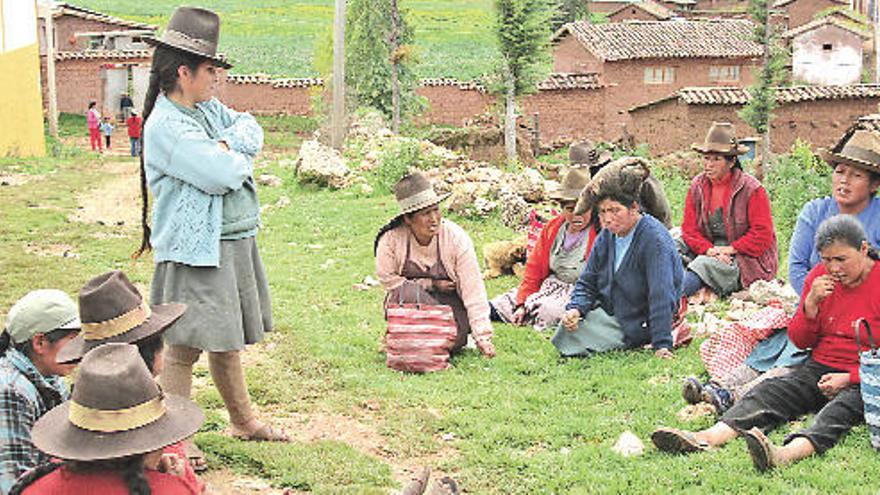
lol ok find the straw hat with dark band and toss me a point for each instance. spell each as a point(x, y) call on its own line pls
point(414, 192)
point(721, 139)
point(860, 149)
point(116, 410)
point(193, 30)
point(112, 310)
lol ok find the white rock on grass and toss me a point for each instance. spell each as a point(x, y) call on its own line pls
point(629, 445)
point(322, 165)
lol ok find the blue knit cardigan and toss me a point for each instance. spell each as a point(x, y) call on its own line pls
point(644, 293)
point(189, 173)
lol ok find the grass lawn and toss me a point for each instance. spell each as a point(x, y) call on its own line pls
point(281, 37)
point(525, 422)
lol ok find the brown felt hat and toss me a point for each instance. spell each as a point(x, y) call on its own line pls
point(414, 192)
point(193, 30)
point(573, 183)
point(586, 153)
point(860, 149)
point(721, 139)
point(112, 310)
point(117, 410)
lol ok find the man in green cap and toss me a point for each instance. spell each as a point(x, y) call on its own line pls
point(37, 327)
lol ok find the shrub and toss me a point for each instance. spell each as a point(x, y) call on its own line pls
point(401, 156)
point(792, 181)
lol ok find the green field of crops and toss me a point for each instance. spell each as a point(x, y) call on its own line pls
point(281, 37)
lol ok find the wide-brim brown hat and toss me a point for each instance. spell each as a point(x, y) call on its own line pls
point(721, 139)
point(193, 30)
point(117, 410)
point(573, 183)
point(860, 149)
point(414, 192)
point(112, 310)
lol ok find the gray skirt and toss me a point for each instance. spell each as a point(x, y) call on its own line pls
point(228, 306)
point(596, 332)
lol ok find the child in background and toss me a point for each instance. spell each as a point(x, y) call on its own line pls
point(107, 131)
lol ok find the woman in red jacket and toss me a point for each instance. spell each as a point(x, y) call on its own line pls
point(558, 258)
point(840, 290)
point(727, 234)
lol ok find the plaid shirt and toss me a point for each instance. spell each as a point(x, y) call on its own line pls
point(25, 395)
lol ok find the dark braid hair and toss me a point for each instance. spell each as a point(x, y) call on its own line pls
point(149, 348)
point(30, 477)
point(163, 78)
point(131, 468)
point(394, 223)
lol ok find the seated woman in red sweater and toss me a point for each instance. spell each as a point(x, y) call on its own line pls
point(839, 290)
point(112, 432)
point(727, 235)
point(558, 258)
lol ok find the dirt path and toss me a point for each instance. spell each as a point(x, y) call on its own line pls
point(114, 202)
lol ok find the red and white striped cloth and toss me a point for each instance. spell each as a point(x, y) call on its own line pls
point(728, 348)
point(419, 337)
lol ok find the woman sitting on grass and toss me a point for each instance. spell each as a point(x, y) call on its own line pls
point(630, 290)
point(727, 235)
point(854, 183)
point(558, 258)
point(840, 290)
point(422, 257)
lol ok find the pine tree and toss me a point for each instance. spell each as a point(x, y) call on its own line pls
point(759, 111)
point(522, 27)
point(378, 41)
point(568, 11)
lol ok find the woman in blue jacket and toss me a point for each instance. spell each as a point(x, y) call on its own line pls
point(630, 289)
point(197, 160)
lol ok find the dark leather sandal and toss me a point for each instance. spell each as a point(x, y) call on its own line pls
point(674, 441)
point(760, 449)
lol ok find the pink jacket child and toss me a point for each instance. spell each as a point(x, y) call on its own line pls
point(93, 119)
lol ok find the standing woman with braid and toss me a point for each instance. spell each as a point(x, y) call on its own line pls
point(197, 159)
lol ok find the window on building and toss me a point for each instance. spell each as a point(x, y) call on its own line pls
point(827, 47)
point(724, 73)
point(659, 75)
point(96, 43)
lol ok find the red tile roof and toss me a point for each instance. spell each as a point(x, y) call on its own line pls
point(785, 94)
point(304, 82)
point(564, 81)
point(721, 38)
point(62, 9)
point(829, 20)
point(104, 54)
point(652, 8)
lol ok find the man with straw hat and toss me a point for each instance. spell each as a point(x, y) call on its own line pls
point(727, 235)
point(421, 256)
point(111, 432)
point(558, 258)
point(37, 328)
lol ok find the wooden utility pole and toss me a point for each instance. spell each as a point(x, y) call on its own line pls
point(395, 68)
point(52, 111)
point(338, 117)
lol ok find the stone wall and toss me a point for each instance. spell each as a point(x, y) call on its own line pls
point(567, 114)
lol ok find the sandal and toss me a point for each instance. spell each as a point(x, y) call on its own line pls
point(265, 433)
point(196, 457)
point(760, 449)
point(676, 441)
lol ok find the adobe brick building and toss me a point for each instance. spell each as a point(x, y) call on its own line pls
point(799, 12)
point(827, 51)
point(816, 114)
point(97, 57)
point(641, 62)
point(646, 10)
